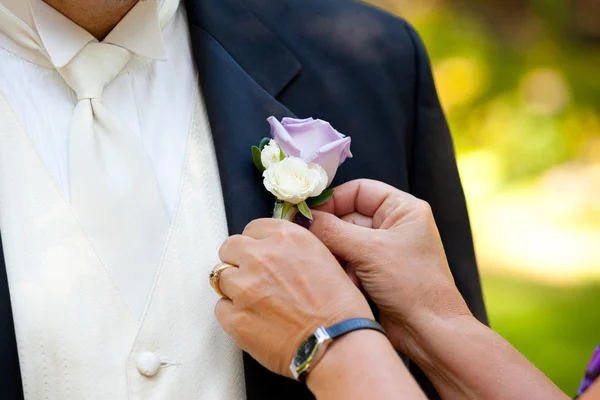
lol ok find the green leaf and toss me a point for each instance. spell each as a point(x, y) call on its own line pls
point(256, 158)
point(286, 208)
point(263, 143)
point(281, 154)
point(303, 208)
point(320, 199)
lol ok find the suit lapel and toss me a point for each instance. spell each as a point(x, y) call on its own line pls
point(239, 96)
point(237, 109)
point(246, 42)
point(242, 68)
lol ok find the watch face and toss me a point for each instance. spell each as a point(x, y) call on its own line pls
point(305, 350)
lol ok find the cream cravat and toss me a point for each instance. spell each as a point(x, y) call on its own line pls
point(113, 186)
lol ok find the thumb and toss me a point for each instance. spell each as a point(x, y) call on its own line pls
point(343, 239)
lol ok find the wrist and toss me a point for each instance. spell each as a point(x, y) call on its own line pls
point(406, 331)
point(343, 358)
point(313, 344)
point(426, 338)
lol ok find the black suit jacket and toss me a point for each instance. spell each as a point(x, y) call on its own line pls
point(357, 67)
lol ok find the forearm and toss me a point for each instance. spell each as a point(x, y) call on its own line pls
point(464, 359)
point(362, 365)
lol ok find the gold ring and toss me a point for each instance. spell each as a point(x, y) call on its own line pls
point(215, 276)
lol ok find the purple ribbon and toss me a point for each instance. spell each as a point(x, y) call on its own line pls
point(591, 373)
point(302, 220)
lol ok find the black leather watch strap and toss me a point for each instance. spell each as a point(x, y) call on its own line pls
point(351, 325)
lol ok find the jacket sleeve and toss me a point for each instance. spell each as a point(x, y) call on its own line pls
point(433, 177)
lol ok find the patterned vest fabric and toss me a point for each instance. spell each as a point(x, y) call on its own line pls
point(75, 335)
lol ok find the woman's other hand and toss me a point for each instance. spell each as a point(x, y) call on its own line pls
point(391, 242)
point(287, 285)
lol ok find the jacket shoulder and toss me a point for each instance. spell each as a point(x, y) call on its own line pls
point(345, 29)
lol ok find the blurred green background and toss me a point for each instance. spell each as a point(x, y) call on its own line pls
point(519, 81)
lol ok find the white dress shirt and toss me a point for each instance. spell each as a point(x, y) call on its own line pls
point(153, 95)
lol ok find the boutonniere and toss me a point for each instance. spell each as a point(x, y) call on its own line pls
point(299, 162)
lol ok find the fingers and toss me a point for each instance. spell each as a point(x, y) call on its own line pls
point(228, 283)
point(366, 222)
point(346, 240)
point(242, 250)
point(233, 249)
point(224, 315)
point(232, 252)
point(236, 247)
point(358, 219)
point(265, 227)
point(370, 198)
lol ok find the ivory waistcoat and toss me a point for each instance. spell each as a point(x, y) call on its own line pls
point(76, 337)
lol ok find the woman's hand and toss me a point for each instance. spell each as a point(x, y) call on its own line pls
point(287, 285)
point(393, 246)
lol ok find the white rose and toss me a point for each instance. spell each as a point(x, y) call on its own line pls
point(294, 181)
point(270, 154)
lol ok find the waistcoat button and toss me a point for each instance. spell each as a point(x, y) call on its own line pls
point(148, 364)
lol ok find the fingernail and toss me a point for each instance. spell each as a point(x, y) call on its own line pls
point(301, 220)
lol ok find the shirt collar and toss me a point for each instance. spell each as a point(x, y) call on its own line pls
point(139, 32)
point(19, 9)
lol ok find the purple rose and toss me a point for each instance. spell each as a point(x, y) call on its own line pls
point(312, 140)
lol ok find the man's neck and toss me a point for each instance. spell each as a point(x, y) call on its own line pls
point(98, 17)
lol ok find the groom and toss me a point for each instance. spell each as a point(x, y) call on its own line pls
point(119, 179)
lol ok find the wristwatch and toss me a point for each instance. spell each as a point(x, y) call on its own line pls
point(312, 349)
